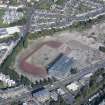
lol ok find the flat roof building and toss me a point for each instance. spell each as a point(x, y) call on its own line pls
point(74, 86)
point(61, 66)
point(41, 94)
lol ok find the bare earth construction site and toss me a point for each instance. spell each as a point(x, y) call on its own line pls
point(52, 52)
point(46, 54)
point(55, 56)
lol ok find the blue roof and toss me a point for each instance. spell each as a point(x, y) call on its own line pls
point(61, 65)
point(3, 31)
point(37, 90)
point(40, 92)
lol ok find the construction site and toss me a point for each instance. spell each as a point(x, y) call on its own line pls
point(56, 55)
point(42, 59)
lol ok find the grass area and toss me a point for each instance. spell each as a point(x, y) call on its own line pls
point(45, 6)
point(82, 8)
point(79, 26)
point(13, 2)
point(88, 93)
point(7, 67)
point(2, 85)
point(60, 2)
point(11, 37)
point(2, 11)
point(2, 24)
point(18, 22)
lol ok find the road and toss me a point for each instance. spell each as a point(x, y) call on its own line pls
point(46, 20)
point(76, 77)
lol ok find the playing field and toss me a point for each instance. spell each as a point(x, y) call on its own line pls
point(39, 58)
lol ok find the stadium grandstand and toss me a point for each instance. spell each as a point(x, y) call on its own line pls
point(61, 66)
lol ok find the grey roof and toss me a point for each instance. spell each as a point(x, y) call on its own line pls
point(61, 66)
point(69, 98)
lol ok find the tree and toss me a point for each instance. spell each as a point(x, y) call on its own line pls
point(102, 48)
point(25, 80)
point(60, 101)
point(73, 70)
point(91, 81)
point(54, 79)
point(13, 74)
point(49, 80)
point(41, 82)
point(25, 43)
point(36, 82)
point(16, 103)
point(45, 81)
point(20, 10)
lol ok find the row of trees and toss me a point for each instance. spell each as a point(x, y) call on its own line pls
point(19, 22)
point(20, 79)
point(9, 38)
point(83, 25)
point(73, 70)
point(60, 101)
point(97, 81)
point(42, 33)
point(15, 102)
point(43, 82)
point(97, 78)
point(8, 65)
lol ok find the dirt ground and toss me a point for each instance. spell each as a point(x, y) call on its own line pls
point(84, 46)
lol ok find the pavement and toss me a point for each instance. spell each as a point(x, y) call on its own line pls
point(77, 76)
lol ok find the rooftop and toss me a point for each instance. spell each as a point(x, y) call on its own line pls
point(73, 86)
point(61, 66)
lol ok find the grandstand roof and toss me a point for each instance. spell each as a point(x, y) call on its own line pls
point(61, 66)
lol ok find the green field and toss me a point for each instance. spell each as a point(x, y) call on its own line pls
point(59, 2)
point(2, 11)
point(2, 85)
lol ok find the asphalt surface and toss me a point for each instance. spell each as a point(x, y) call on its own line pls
point(76, 77)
